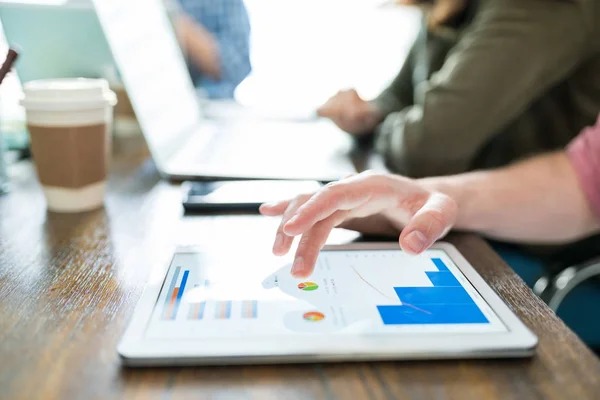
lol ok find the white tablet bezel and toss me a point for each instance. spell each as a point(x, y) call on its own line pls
point(136, 349)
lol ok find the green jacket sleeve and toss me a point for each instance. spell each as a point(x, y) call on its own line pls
point(426, 56)
point(513, 52)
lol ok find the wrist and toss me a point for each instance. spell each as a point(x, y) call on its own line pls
point(375, 112)
point(380, 107)
point(458, 189)
point(365, 128)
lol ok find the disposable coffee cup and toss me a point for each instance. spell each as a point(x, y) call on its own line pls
point(69, 122)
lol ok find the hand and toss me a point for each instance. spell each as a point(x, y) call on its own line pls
point(444, 10)
point(438, 13)
point(372, 203)
point(199, 45)
point(351, 113)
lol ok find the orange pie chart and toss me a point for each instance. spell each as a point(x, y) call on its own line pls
point(313, 316)
point(308, 286)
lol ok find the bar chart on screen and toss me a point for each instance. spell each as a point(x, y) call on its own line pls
point(196, 311)
point(190, 297)
point(249, 309)
point(175, 294)
point(223, 310)
point(446, 302)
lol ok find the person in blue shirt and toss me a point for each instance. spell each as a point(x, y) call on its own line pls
point(215, 36)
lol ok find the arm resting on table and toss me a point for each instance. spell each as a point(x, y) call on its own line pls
point(537, 201)
point(487, 81)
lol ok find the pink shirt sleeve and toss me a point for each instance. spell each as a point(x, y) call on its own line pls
point(584, 153)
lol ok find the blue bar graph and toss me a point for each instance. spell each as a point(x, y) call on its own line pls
point(433, 295)
point(171, 296)
point(223, 310)
point(180, 294)
point(249, 309)
point(441, 266)
point(196, 311)
point(446, 302)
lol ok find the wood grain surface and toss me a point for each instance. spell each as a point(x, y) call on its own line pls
point(69, 283)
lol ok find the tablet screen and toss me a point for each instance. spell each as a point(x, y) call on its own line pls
point(350, 292)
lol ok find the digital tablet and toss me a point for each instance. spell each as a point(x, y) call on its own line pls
point(364, 301)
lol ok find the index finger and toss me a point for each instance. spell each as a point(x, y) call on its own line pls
point(344, 195)
point(274, 209)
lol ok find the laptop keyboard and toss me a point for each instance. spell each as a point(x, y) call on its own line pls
point(260, 148)
point(275, 142)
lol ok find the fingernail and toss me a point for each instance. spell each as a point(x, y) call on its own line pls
point(292, 220)
point(278, 241)
point(268, 205)
point(286, 228)
point(416, 241)
point(298, 266)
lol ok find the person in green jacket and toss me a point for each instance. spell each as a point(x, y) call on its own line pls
point(486, 82)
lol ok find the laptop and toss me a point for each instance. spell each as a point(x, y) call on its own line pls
point(184, 141)
point(53, 35)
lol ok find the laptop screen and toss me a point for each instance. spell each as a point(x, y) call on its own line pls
point(53, 35)
point(152, 69)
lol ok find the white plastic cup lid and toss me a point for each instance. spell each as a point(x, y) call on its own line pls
point(67, 94)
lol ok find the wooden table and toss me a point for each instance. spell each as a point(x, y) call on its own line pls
point(69, 283)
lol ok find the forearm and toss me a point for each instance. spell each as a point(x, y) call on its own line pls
point(399, 93)
point(426, 56)
point(200, 46)
point(536, 201)
point(486, 85)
